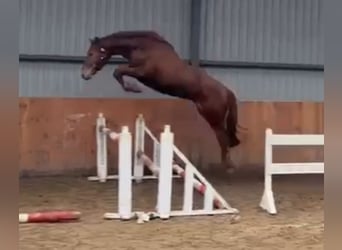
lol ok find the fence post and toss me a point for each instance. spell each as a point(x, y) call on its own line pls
point(267, 201)
point(138, 171)
point(101, 155)
point(165, 174)
point(125, 174)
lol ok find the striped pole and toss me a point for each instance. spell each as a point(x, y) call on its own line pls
point(51, 216)
point(200, 187)
point(197, 185)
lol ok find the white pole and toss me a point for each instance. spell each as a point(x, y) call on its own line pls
point(101, 154)
point(125, 174)
point(188, 189)
point(138, 171)
point(165, 174)
point(267, 200)
point(156, 153)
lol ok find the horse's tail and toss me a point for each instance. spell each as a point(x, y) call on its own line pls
point(238, 125)
point(231, 123)
point(242, 128)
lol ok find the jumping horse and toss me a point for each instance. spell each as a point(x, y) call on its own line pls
point(154, 62)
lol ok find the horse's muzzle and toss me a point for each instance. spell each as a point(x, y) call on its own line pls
point(87, 72)
point(86, 77)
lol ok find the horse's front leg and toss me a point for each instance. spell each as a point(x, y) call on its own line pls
point(122, 70)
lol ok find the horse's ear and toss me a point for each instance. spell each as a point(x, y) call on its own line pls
point(94, 40)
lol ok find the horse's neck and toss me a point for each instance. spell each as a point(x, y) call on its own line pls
point(120, 46)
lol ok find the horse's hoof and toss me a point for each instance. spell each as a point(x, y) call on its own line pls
point(231, 168)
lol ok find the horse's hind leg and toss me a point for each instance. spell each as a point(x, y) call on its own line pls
point(221, 136)
point(224, 143)
point(231, 121)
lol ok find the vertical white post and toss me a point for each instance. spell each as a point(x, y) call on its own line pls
point(165, 174)
point(208, 199)
point(188, 189)
point(156, 153)
point(267, 200)
point(268, 160)
point(125, 174)
point(138, 171)
point(101, 153)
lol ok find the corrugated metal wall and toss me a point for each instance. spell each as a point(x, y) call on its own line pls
point(62, 27)
point(64, 80)
point(279, 31)
point(272, 85)
point(282, 85)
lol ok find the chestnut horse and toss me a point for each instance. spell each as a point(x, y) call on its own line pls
point(154, 62)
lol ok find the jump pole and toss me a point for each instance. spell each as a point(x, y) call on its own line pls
point(49, 217)
point(197, 185)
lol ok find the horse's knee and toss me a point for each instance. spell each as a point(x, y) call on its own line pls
point(116, 76)
point(199, 108)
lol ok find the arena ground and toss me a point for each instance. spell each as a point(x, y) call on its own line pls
point(299, 224)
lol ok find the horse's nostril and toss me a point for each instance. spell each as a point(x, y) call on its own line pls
point(85, 77)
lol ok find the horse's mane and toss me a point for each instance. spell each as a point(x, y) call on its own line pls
point(140, 33)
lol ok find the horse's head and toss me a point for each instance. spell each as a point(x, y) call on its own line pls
point(97, 57)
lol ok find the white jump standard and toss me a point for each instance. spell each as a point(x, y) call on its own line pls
point(162, 167)
point(200, 184)
point(102, 133)
point(267, 200)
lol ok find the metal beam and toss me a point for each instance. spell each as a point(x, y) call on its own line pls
point(261, 65)
point(195, 32)
point(61, 59)
point(203, 63)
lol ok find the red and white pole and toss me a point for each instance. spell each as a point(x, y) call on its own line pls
point(51, 216)
point(199, 186)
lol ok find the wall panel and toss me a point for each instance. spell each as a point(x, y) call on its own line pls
point(64, 80)
point(63, 27)
point(280, 31)
point(58, 135)
point(272, 85)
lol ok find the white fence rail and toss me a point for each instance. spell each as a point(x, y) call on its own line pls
point(271, 168)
